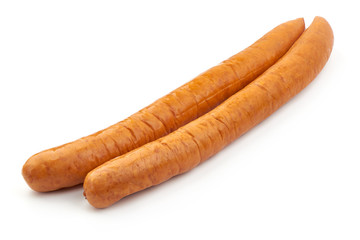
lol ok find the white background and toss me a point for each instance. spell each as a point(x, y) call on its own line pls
point(70, 68)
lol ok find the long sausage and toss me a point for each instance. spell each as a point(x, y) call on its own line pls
point(67, 165)
point(195, 142)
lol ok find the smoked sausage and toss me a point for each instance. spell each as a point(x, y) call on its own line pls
point(188, 146)
point(67, 165)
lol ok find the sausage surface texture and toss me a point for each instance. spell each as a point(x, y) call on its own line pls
point(185, 148)
point(67, 165)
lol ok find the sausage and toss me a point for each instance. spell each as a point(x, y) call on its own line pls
point(67, 165)
point(200, 139)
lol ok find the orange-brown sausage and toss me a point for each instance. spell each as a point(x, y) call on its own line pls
point(67, 165)
point(188, 146)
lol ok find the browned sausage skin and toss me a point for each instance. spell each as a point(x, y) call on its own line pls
point(195, 142)
point(67, 165)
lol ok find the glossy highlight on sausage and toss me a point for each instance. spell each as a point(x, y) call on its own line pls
point(195, 142)
point(67, 165)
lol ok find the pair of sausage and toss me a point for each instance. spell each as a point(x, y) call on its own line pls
point(67, 165)
point(188, 146)
point(163, 139)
